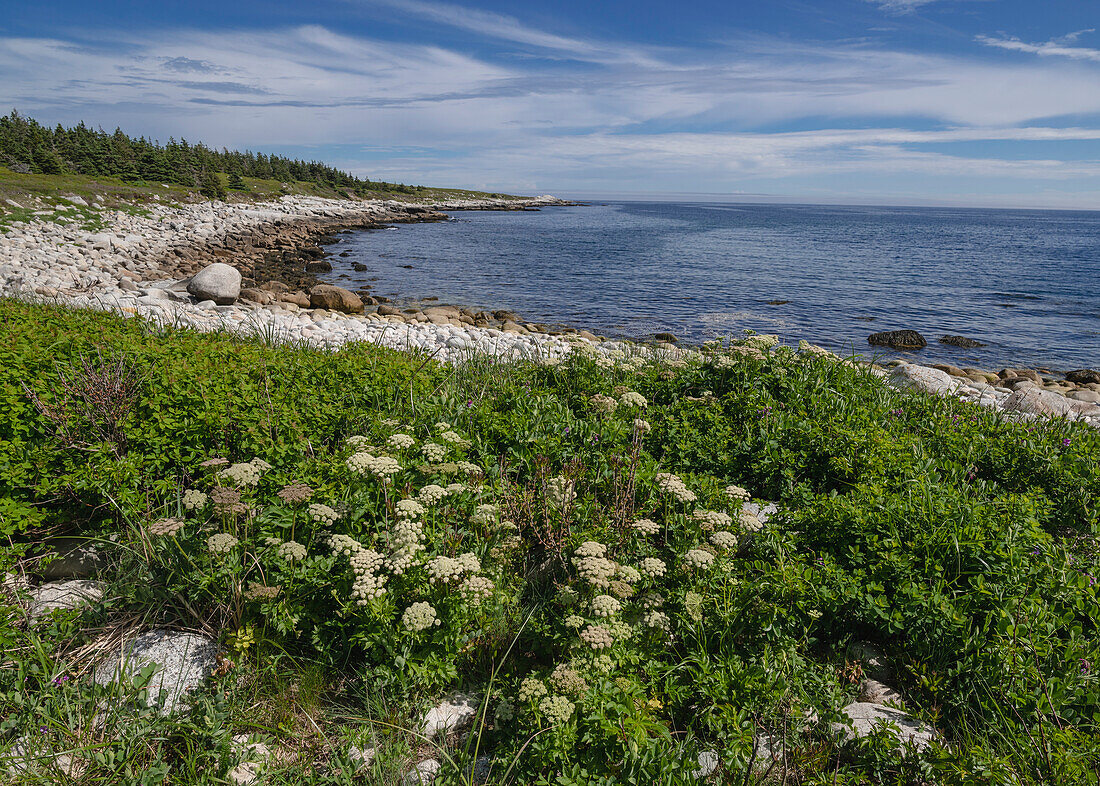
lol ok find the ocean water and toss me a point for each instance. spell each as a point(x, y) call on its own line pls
point(1025, 283)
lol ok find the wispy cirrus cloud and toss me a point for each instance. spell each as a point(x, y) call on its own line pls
point(1055, 47)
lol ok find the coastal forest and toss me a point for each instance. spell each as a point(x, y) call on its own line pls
point(28, 147)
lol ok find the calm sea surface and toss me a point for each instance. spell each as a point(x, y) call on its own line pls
point(1026, 283)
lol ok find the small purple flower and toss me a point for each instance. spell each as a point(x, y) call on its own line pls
point(1067, 441)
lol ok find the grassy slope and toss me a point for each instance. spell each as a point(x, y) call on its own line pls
point(961, 544)
point(115, 192)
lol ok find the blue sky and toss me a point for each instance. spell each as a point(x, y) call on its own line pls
point(983, 102)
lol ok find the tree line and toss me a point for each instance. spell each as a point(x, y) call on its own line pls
point(29, 147)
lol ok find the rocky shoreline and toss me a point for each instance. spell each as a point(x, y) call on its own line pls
point(254, 268)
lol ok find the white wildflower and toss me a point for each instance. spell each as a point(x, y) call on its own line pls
point(419, 616)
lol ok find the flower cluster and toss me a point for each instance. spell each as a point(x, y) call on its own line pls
point(433, 451)
point(634, 400)
point(295, 493)
point(597, 571)
point(485, 514)
point(454, 439)
point(647, 526)
point(419, 616)
point(567, 680)
point(560, 492)
point(261, 592)
point(409, 509)
point(724, 539)
point(605, 405)
point(323, 514)
point(221, 543)
point(628, 574)
point(761, 342)
point(432, 493)
point(400, 441)
point(445, 569)
point(165, 527)
point(652, 567)
point(226, 501)
point(699, 559)
point(597, 637)
point(642, 426)
point(605, 606)
point(476, 589)
point(359, 443)
point(712, 519)
point(193, 499)
point(532, 689)
point(556, 709)
point(380, 466)
point(405, 539)
point(737, 494)
point(656, 619)
point(750, 522)
point(245, 474)
point(674, 485)
point(291, 551)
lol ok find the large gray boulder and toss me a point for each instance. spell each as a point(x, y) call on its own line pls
point(1033, 401)
point(923, 378)
point(449, 715)
point(64, 595)
point(218, 282)
point(865, 717)
point(183, 661)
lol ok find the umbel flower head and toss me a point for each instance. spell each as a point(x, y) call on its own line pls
point(532, 689)
point(409, 509)
point(698, 559)
point(294, 493)
point(652, 567)
point(605, 606)
point(400, 441)
point(431, 494)
point(221, 543)
point(597, 637)
point(193, 499)
point(724, 540)
point(241, 475)
point(261, 592)
point(674, 485)
point(419, 616)
point(433, 451)
point(556, 709)
point(476, 589)
point(323, 514)
point(647, 526)
point(712, 519)
point(291, 551)
point(226, 500)
point(165, 527)
point(605, 405)
point(560, 492)
point(633, 400)
point(737, 494)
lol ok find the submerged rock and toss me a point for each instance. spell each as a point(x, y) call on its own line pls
point(961, 341)
point(898, 339)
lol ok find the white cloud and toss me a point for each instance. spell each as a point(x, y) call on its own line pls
point(901, 6)
point(443, 116)
point(1056, 47)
